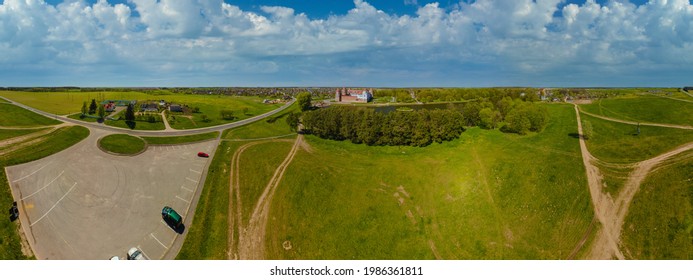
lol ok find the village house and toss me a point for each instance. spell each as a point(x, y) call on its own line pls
point(353, 95)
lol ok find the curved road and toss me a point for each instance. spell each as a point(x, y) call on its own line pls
point(156, 132)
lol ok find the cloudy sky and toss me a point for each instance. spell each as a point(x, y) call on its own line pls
point(399, 43)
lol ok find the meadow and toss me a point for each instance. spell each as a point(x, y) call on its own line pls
point(16, 116)
point(270, 127)
point(615, 142)
point(70, 102)
point(659, 224)
point(638, 108)
point(487, 195)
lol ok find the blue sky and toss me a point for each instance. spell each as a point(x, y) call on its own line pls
point(346, 43)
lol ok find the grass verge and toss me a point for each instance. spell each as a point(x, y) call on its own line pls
point(12, 133)
point(122, 144)
point(180, 139)
point(207, 238)
point(16, 116)
point(270, 127)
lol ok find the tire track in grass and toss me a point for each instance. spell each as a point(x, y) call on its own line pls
point(235, 243)
point(252, 239)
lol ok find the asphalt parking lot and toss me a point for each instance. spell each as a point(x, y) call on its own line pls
point(83, 203)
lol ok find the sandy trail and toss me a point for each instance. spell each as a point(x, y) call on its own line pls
point(610, 212)
point(251, 237)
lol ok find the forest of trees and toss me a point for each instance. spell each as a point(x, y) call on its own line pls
point(410, 128)
point(511, 113)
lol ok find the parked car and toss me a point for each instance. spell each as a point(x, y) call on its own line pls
point(135, 254)
point(201, 154)
point(171, 217)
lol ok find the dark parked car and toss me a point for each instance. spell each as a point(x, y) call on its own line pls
point(201, 154)
point(172, 218)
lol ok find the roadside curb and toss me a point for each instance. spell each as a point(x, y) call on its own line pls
point(146, 146)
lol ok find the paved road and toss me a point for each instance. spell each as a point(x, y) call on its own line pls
point(157, 132)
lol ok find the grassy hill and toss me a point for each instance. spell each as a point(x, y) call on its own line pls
point(487, 195)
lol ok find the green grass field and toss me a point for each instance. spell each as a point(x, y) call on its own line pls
point(180, 139)
point(258, 164)
point(16, 116)
point(207, 236)
point(619, 143)
point(64, 103)
point(63, 138)
point(122, 144)
point(269, 127)
point(12, 133)
point(643, 109)
point(659, 224)
point(487, 195)
point(211, 106)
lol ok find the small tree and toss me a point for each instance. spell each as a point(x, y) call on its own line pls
point(92, 107)
point(587, 130)
point(84, 109)
point(130, 113)
point(292, 120)
point(226, 114)
point(102, 112)
point(304, 101)
point(205, 118)
point(245, 110)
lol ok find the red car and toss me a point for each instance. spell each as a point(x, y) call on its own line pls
point(201, 154)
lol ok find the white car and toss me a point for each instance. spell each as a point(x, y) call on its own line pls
point(135, 254)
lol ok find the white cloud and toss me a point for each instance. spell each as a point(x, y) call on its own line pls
point(525, 41)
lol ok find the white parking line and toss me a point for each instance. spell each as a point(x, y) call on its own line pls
point(32, 173)
point(167, 148)
point(198, 172)
point(191, 180)
point(56, 204)
point(157, 240)
point(178, 197)
point(186, 189)
point(51, 182)
point(145, 255)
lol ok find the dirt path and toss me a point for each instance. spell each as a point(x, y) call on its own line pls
point(20, 142)
point(251, 237)
point(252, 241)
point(605, 246)
point(610, 212)
point(641, 123)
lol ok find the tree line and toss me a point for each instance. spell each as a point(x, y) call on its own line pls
point(422, 127)
point(399, 128)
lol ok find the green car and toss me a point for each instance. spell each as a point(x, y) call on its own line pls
point(171, 217)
